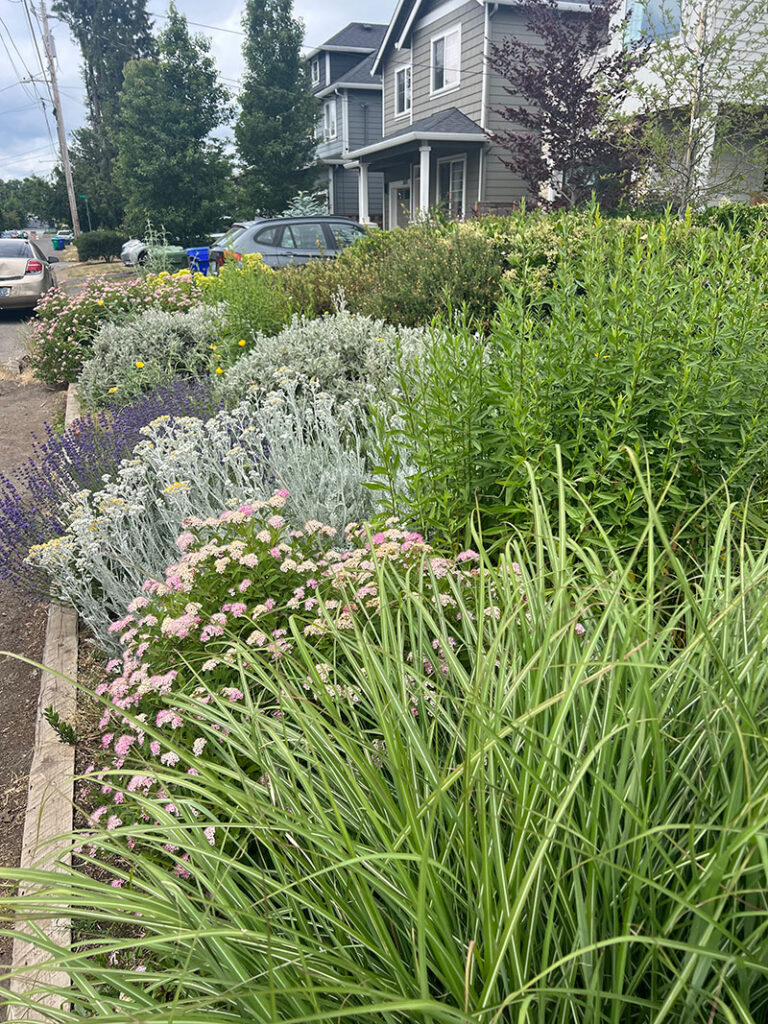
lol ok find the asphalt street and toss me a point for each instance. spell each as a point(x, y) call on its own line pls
point(13, 322)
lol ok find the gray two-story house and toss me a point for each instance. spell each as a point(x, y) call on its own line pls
point(342, 78)
point(439, 101)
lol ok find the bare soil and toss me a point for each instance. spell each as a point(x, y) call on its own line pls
point(24, 409)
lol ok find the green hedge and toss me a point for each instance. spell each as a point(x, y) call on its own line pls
point(99, 245)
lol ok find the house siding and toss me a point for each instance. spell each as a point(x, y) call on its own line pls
point(363, 118)
point(503, 186)
point(467, 96)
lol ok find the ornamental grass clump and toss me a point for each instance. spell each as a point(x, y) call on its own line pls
point(250, 579)
point(351, 357)
point(65, 325)
point(132, 358)
point(570, 829)
point(34, 499)
point(120, 534)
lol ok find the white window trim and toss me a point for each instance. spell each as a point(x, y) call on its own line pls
point(314, 71)
point(326, 108)
point(451, 160)
point(432, 41)
point(400, 114)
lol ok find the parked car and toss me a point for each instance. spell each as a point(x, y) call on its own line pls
point(136, 253)
point(286, 240)
point(66, 236)
point(25, 273)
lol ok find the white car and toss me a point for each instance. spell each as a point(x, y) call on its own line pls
point(134, 253)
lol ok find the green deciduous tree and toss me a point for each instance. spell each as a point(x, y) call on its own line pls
point(702, 99)
point(170, 169)
point(33, 197)
point(109, 33)
point(275, 128)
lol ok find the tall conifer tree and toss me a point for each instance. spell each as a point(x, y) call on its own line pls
point(275, 128)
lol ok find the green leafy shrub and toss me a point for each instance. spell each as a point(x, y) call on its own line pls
point(350, 357)
point(735, 217)
point(99, 245)
point(254, 302)
point(312, 289)
point(410, 275)
point(64, 327)
point(135, 357)
point(120, 535)
point(650, 340)
point(562, 827)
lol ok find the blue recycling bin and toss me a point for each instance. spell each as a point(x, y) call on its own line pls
point(198, 259)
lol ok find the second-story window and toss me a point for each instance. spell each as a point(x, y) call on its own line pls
point(648, 20)
point(446, 59)
point(402, 91)
point(314, 70)
point(329, 119)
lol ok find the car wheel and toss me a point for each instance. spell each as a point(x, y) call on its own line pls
point(143, 259)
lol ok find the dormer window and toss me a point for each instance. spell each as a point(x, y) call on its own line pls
point(402, 91)
point(446, 60)
point(329, 119)
point(314, 70)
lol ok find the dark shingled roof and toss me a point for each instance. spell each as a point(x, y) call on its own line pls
point(359, 35)
point(361, 73)
point(451, 121)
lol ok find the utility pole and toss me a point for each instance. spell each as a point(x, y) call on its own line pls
point(57, 112)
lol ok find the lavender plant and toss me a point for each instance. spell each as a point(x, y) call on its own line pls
point(81, 457)
point(121, 534)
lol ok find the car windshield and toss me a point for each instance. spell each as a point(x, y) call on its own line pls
point(14, 248)
point(233, 233)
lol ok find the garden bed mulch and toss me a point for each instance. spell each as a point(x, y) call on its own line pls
point(24, 409)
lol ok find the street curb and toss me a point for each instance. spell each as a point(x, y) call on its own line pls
point(50, 801)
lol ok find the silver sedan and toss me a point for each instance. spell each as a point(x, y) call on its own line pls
point(25, 273)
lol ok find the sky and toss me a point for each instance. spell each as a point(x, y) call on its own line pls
point(26, 144)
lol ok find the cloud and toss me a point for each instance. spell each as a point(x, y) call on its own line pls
point(25, 146)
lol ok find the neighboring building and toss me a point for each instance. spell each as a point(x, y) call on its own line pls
point(731, 159)
point(350, 96)
point(440, 98)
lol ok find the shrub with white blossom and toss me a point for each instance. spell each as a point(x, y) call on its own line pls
point(121, 535)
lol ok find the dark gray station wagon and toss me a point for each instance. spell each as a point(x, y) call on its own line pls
point(286, 240)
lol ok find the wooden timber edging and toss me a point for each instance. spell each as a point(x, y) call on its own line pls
point(50, 803)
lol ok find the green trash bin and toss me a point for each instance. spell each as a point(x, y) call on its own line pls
point(57, 243)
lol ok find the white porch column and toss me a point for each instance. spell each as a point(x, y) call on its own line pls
point(424, 151)
point(363, 194)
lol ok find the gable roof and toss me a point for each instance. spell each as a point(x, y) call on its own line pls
point(356, 37)
point(407, 11)
point(359, 77)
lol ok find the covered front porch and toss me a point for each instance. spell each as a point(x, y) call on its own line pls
point(434, 163)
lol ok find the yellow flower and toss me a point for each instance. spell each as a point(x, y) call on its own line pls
point(112, 391)
point(139, 364)
point(219, 370)
point(241, 343)
point(100, 302)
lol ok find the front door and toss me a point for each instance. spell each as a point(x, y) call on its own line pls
point(399, 204)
